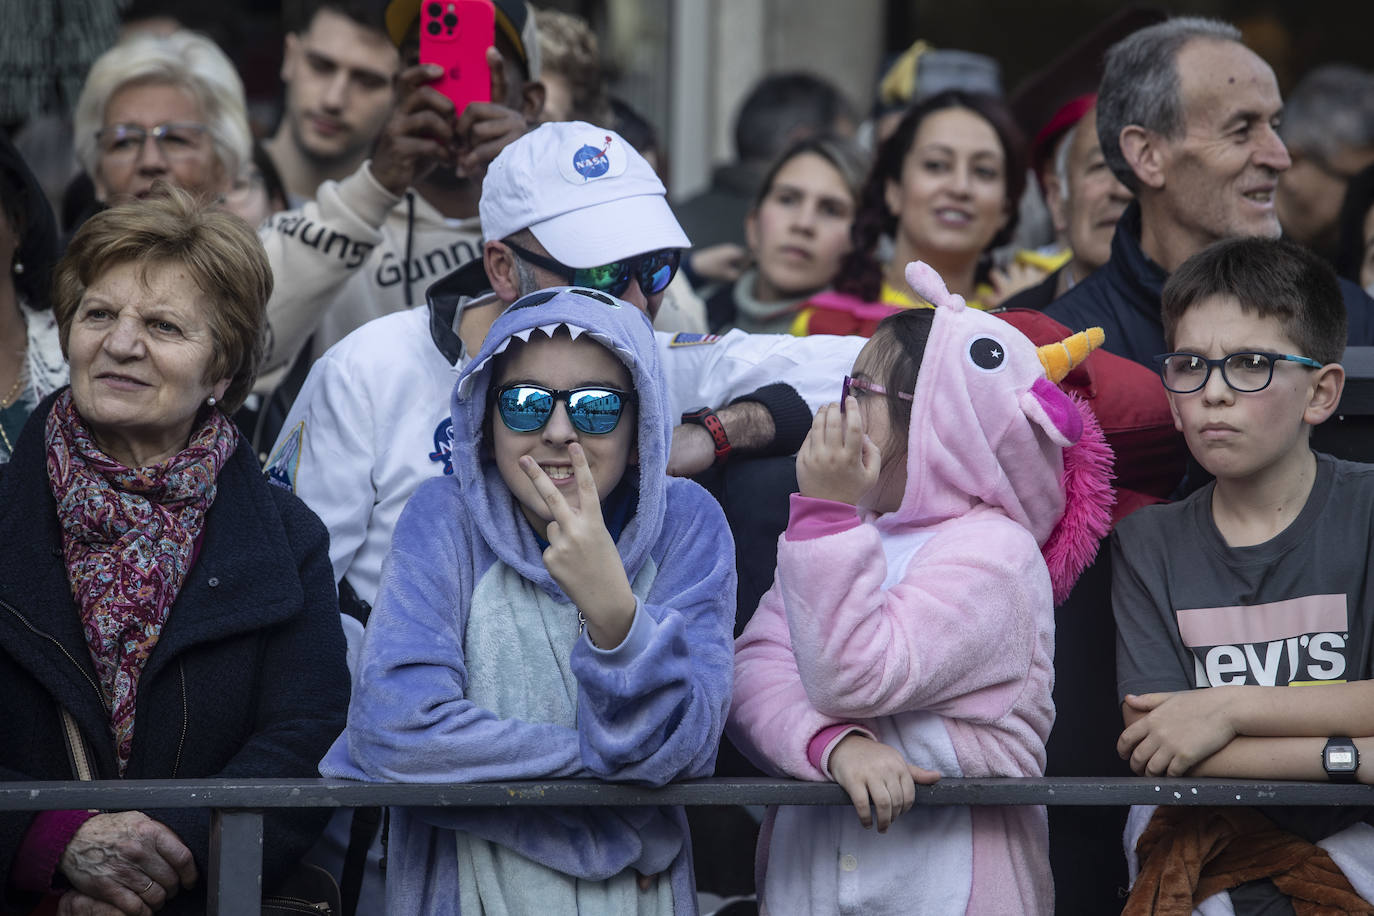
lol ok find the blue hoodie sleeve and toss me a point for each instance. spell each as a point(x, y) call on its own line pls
point(651, 710)
point(409, 719)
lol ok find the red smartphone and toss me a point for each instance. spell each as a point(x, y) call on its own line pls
point(455, 34)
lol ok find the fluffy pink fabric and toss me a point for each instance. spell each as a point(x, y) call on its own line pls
point(1087, 505)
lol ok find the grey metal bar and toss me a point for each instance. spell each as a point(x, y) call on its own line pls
point(320, 793)
point(234, 885)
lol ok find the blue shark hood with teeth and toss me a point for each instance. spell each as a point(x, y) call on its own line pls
point(625, 331)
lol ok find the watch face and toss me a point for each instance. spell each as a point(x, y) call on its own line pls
point(1340, 759)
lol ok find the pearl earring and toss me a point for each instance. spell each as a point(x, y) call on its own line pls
point(18, 267)
point(210, 401)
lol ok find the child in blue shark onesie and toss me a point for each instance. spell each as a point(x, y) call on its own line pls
point(559, 608)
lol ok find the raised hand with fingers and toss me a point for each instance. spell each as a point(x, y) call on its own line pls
point(582, 556)
point(878, 778)
point(486, 128)
point(128, 861)
point(838, 461)
point(420, 133)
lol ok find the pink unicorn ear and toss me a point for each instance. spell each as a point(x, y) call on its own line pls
point(930, 287)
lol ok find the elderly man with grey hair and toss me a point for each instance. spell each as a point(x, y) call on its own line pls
point(1188, 119)
point(1328, 127)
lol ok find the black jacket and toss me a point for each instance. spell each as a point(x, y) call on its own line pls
point(248, 678)
point(1123, 295)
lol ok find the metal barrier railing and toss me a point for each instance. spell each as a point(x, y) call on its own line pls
point(235, 866)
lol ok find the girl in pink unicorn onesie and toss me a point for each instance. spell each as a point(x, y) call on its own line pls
point(947, 503)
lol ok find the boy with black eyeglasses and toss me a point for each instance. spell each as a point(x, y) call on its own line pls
point(1256, 582)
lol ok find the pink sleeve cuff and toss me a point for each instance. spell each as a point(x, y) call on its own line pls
point(818, 750)
point(35, 862)
point(813, 518)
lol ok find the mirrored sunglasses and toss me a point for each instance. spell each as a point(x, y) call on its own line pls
point(654, 270)
point(526, 408)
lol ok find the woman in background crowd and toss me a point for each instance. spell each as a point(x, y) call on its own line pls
point(798, 231)
point(31, 363)
point(162, 107)
point(945, 188)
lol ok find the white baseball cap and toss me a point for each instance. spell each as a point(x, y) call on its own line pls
point(586, 194)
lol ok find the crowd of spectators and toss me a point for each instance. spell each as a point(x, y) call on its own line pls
point(805, 475)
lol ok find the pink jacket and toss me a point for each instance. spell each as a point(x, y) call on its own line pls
point(933, 628)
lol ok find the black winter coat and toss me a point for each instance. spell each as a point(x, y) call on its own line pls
point(248, 679)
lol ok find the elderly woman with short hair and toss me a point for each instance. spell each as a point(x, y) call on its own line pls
point(164, 611)
point(178, 91)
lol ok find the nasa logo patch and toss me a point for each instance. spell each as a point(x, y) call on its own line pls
point(443, 445)
point(592, 158)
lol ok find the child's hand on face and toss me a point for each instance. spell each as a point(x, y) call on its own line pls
point(838, 460)
point(1177, 731)
point(873, 773)
point(582, 557)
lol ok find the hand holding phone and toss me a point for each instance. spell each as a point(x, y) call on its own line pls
point(455, 34)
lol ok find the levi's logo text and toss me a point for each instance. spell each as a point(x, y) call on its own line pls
point(443, 445)
point(1295, 641)
point(589, 159)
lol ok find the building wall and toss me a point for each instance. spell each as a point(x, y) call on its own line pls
point(730, 44)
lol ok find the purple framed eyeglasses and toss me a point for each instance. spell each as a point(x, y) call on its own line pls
point(857, 386)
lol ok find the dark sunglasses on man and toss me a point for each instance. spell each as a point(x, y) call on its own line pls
point(654, 270)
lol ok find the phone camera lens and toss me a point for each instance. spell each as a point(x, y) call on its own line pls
point(433, 28)
point(434, 10)
point(450, 20)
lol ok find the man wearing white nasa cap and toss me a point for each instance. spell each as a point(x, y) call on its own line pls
point(567, 202)
point(586, 199)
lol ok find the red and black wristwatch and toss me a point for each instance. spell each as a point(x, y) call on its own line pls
point(706, 418)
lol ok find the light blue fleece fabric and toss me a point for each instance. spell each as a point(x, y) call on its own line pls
point(649, 711)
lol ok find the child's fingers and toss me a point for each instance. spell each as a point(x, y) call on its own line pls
point(1130, 737)
point(834, 426)
point(558, 506)
point(883, 805)
point(854, 425)
point(1159, 763)
point(1143, 755)
point(858, 796)
point(1144, 702)
point(870, 455)
point(586, 483)
point(922, 776)
point(908, 787)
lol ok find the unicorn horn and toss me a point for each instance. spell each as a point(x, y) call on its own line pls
point(1060, 358)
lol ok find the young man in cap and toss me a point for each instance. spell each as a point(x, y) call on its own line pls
point(337, 67)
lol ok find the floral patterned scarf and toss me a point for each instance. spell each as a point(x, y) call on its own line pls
point(128, 537)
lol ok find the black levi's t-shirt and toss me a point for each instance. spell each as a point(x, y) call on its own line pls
point(1193, 612)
